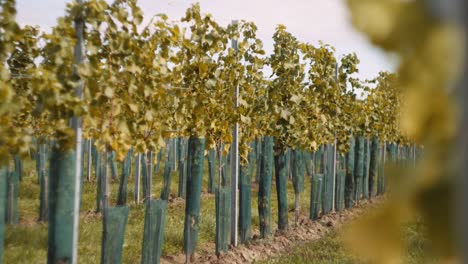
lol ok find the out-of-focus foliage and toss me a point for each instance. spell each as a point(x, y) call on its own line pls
point(21, 63)
point(10, 139)
point(430, 50)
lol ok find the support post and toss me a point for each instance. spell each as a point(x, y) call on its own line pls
point(175, 157)
point(88, 169)
point(137, 178)
point(77, 125)
point(333, 167)
point(235, 167)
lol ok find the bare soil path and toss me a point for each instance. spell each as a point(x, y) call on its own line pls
point(280, 242)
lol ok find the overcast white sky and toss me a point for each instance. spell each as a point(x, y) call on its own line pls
point(309, 20)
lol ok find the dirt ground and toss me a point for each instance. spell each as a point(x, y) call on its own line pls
point(278, 243)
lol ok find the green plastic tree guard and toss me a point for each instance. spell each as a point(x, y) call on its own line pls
point(98, 173)
point(182, 155)
point(403, 155)
point(126, 170)
point(245, 196)
point(61, 204)
point(398, 153)
point(182, 187)
point(381, 168)
point(340, 190)
point(43, 196)
point(12, 213)
point(343, 161)
point(318, 160)
point(195, 158)
point(96, 161)
point(105, 180)
point(3, 202)
point(167, 176)
point(365, 181)
point(223, 201)
point(302, 169)
point(226, 168)
point(158, 160)
point(388, 158)
point(82, 169)
point(211, 170)
point(32, 151)
point(312, 164)
point(251, 159)
point(223, 206)
point(281, 177)
point(407, 152)
point(37, 162)
point(114, 224)
point(373, 164)
point(331, 177)
point(253, 151)
point(349, 181)
point(392, 157)
point(149, 174)
point(258, 155)
point(288, 163)
point(153, 235)
point(307, 158)
point(327, 182)
point(113, 165)
point(358, 168)
point(315, 196)
point(19, 167)
point(37, 159)
point(297, 165)
point(41, 158)
point(264, 185)
point(323, 171)
point(394, 152)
